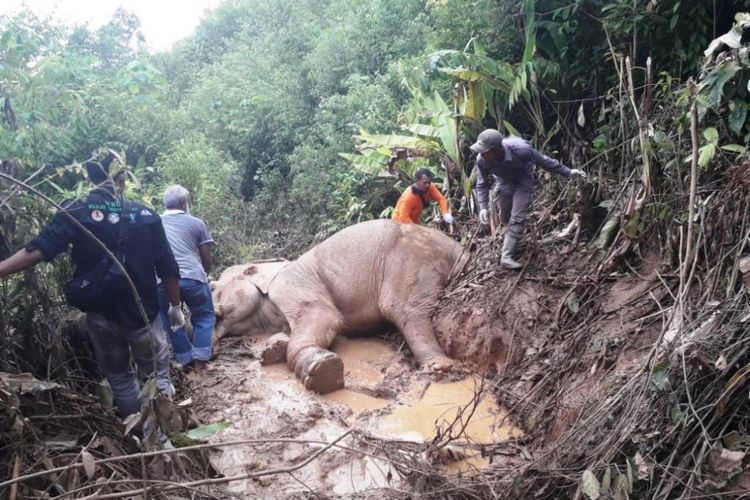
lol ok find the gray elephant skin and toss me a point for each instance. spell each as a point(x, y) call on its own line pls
point(368, 275)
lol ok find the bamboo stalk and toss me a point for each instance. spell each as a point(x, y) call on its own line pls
point(646, 173)
point(16, 471)
point(693, 184)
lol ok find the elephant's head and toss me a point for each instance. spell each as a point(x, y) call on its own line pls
point(241, 300)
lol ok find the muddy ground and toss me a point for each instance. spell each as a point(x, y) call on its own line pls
point(385, 398)
point(545, 342)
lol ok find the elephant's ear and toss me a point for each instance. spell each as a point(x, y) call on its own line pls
point(261, 274)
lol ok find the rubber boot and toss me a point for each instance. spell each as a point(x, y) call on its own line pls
point(509, 247)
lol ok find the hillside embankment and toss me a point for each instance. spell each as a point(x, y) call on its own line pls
point(584, 372)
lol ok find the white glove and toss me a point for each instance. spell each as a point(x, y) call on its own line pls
point(484, 216)
point(448, 218)
point(176, 318)
point(578, 174)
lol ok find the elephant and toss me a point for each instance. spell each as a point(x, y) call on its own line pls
point(374, 273)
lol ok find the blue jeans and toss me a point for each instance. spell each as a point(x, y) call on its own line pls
point(113, 344)
point(197, 296)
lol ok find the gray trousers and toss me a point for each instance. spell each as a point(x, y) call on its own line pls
point(515, 201)
point(113, 344)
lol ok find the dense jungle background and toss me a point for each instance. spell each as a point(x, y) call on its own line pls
point(289, 120)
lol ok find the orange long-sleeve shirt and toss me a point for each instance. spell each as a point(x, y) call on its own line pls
point(409, 207)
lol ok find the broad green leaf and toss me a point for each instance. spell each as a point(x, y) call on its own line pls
point(633, 225)
point(478, 47)
point(660, 376)
point(734, 148)
point(206, 431)
point(499, 72)
point(737, 115)
point(447, 129)
point(475, 102)
point(716, 80)
point(608, 233)
point(530, 26)
point(463, 74)
point(440, 105)
point(422, 129)
point(663, 141)
point(707, 153)
point(459, 99)
point(673, 20)
point(590, 485)
point(711, 134)
point(392, 141)
point(372, 165)
point(488, 93)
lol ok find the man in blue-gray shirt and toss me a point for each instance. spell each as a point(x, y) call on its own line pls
point(191, 244)
point(511, 160)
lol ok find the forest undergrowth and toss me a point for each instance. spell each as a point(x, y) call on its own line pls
point(621, 346)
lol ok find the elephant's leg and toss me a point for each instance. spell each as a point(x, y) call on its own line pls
point(416, 326)
point(319, 369)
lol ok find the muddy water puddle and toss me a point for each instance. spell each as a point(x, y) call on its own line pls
point(444, 405)
point(265, 401)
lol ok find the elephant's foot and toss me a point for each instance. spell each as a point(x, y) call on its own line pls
point(321, 371)
point(438, 364)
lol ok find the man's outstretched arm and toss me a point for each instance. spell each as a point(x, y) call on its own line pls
point(19, 261)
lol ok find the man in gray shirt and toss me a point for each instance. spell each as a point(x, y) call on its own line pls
point(191, 245)
point(511, 162)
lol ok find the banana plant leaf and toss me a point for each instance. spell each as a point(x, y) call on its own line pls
point(372, 164)
point(393, 140)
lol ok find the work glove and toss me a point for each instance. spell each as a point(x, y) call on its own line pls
point(176, 318)
point(484, 216)
point(578, 174)
point(448, 218)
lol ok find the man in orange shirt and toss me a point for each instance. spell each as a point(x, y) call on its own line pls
point(416, 198)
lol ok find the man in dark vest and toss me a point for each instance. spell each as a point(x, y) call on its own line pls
point(116, 326)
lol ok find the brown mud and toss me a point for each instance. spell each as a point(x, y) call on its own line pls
point(385, 397)
point(542, 344)
point(553, 337)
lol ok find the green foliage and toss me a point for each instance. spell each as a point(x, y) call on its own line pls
point(252, 111)
point(212, 179)
point(491, 23)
